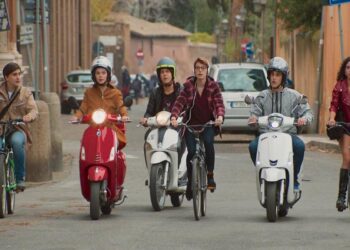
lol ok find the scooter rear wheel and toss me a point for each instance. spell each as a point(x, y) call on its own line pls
point(106, 209)
point(94, 200)
point(176, 199)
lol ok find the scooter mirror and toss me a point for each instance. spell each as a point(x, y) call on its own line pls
point(249, 99)
point(73, 103)
point(303, 100)
point(128, 101)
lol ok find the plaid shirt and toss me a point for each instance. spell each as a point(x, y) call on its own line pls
point(185, 100)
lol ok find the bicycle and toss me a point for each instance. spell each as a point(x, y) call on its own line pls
point(199, 172)
point(8, 185)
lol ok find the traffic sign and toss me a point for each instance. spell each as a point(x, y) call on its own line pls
point(332, 2)
point(139, 54)
point(4, 18)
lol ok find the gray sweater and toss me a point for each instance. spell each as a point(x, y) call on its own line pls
point(286, 102)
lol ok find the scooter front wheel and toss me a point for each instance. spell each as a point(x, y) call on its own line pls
point(156, 189)
point(271, 201)
point(94, 200)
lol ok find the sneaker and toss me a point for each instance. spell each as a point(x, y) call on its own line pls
point(20, 186)
point(189, 194)
point(211, 182)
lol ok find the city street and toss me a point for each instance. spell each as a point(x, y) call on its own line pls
point(54, 215)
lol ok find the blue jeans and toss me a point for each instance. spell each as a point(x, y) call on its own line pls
point(298, 150)
point(17, 141)
point(208, 139)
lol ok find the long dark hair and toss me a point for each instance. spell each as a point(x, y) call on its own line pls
point(341, 73)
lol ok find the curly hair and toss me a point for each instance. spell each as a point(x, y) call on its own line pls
point(341, 73)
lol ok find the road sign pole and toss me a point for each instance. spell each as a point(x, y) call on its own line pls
point(341, 32)
point(37, 49)
point(45, 59)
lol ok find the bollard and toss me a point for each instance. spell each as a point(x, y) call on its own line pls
point(38, 154)
point(54, 105)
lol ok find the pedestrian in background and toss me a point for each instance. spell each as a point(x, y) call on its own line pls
point(126, 81)
point(341, 103)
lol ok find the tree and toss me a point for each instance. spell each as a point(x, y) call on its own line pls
point(295, 15)
point(100, 9)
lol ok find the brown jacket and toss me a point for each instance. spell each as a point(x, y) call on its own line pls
point(24, 104)
point(111, 101)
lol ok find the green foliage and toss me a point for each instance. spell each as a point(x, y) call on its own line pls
point(202, 37)
point(100, 9)
point(295, 14)
point(196, 15)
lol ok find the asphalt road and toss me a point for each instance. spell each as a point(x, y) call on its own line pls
point(54, 215)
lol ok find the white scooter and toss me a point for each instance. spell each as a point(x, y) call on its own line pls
point(165, 162)
point(275, 167)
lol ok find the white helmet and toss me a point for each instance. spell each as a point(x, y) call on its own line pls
point(101, 62)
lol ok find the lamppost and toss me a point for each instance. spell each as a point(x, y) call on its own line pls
point(259, 8)
point(224, 30)
point(239, 24)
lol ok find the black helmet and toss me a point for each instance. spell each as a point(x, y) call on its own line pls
point(166, 63)
point(101, 62)
point(278, 64)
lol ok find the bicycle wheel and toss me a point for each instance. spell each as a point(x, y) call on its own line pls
point(2, 187)
point(196, 187)
point(10, 193)
point(203, 191)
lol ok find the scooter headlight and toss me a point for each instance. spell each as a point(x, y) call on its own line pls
point(99, 116)
point(275, 121)
point(163, 118)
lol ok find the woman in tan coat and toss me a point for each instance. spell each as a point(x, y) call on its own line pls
point(103, 95)
point(22, 107)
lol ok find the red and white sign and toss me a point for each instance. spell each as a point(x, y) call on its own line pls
point(139, 54)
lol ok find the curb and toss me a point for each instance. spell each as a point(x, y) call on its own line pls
point(323, 146)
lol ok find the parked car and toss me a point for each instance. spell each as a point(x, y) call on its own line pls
point(236, 81)
point(74, 84)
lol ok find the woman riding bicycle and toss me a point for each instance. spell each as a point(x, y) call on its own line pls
point(201, 98)
point(23, 107)
point(340, 102)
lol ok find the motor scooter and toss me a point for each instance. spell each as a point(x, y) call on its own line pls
point(165, 158)
point(275, 167)
point(102, 164)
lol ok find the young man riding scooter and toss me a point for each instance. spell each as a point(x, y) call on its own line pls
point(163, 96)
point(280, 99)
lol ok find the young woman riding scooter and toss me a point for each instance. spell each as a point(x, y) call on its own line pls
point(101, 161)
point(103, 95)
point(280, 99)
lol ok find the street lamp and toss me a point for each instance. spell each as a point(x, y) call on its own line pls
point(259, 8)
point(224, 29)
point(239, 21)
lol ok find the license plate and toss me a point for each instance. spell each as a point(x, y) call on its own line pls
point(232, 104)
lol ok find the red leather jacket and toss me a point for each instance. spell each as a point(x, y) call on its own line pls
point(341, 99)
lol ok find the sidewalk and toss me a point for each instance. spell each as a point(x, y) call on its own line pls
point(321, 142)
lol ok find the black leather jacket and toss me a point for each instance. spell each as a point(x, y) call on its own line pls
point(155, 103)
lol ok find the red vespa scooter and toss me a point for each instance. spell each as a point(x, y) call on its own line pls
point(102, 164)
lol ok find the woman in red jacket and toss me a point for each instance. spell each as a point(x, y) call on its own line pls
point(341, 101)
point(201, 98)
